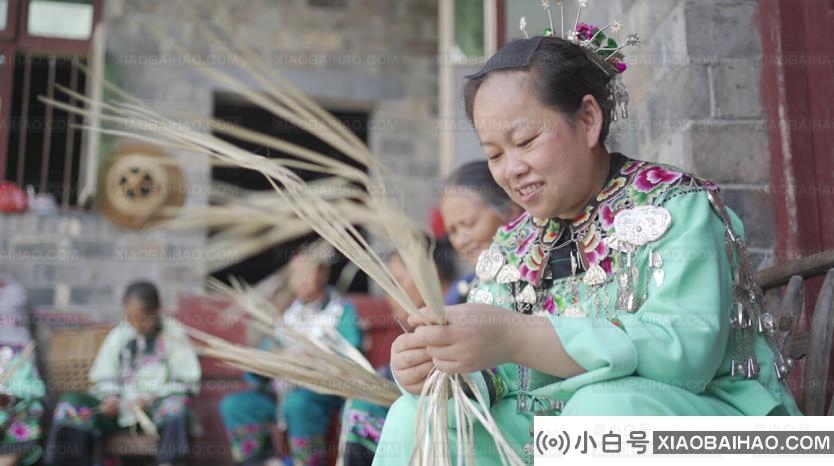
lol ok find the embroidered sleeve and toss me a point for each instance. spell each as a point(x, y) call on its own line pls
point(183, 364)
point(679, 333)
point(25, 383)
point(105, 370)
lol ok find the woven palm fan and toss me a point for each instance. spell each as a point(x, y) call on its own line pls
point(325, 217)
point(138, 182)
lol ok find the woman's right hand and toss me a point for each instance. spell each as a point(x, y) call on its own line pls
point(410, 362)
point(109, 406)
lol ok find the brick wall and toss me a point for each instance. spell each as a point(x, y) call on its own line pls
point(695, 99)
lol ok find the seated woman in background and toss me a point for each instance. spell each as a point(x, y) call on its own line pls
point(146, 362)
point(472, 207)
point(249, 415)
point(362, 420)
point(21, 397)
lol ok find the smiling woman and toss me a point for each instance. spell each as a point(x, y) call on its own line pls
point(622, 290)
point(473, 206)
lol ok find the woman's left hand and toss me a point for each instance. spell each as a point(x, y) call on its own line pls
point(478, 336)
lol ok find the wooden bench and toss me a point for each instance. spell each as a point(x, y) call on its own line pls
point(810, 350)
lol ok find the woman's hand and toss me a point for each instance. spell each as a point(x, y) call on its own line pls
point(410, 362)
point(143, 402)
point(478, 336)
point(109, 406)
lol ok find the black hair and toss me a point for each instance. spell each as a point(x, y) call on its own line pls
point(443, 255)
point(445, 259)
point(475, 178)
point(561, 74)
point(146, 293)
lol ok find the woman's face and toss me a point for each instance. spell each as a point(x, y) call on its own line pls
point(308, 279)
point(470, 223)
point(539, 157)
point(143, 322)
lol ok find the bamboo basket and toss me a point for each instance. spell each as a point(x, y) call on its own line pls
point(71, 355)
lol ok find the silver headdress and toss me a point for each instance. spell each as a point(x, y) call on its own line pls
point(604, 50)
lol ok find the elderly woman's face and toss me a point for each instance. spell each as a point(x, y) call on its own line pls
point(308, 279)
point(470, 222)
point(142, 321)
point(540, 159)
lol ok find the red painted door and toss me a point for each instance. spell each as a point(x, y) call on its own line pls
point(798, 93)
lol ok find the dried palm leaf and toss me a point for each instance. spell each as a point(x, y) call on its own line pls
point(324, 217)
point(143, 420)
point(320, 372)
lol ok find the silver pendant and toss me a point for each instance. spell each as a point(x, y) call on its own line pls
point(527, 295)
point(482, 296)
point(617, 244)
point(489, 263)
point(503, 299)
point(508, 274)
point(658, 277)
point(642, 224)
point(655, 260)
point(752, 367)
point(574, 312)
point(622, 290)
point(595, 276)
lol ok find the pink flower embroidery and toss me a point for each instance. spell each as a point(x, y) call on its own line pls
point(549, 305)
point(593, 247)
point(606, 216)
point(85, 413)
point(631, 166)
point(606, 265)
point(247, 446)
point(20, 432)
point(650, 179)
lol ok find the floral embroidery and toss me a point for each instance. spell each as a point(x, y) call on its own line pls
point(365, 428)
point(248, 441)
point(171, 407)
point(306, 451)
point(612, 188)
point(606, 216)
point(20, 431)
point(593, 247)
point(549, 305)
point(78, 417)
point(648, 180)
point(524, 241)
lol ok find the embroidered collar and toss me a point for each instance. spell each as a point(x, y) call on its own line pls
point(526, 241)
